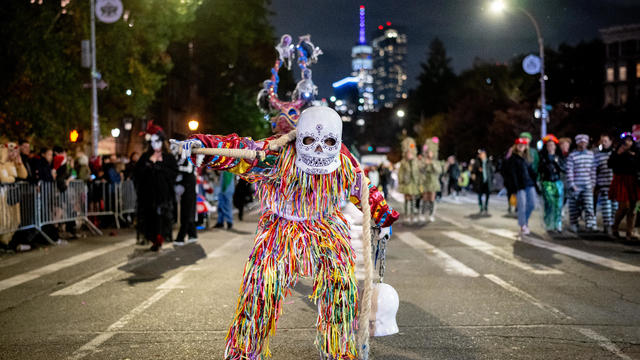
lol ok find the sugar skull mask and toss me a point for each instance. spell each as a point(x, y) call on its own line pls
point(318, 140)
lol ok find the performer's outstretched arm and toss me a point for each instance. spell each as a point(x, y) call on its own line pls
point(381, 213)
point(248, 168)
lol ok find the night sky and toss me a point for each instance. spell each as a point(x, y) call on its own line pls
point(467, 30)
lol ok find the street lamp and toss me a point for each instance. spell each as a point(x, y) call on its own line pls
point(115, 132)
point(498, 6)
point(193, 125)
point(400, 113)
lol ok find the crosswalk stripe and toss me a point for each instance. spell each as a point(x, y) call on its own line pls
point(450, 265)
point(51, 268)
point(500, 254)
point(582, 255)
point(603, 342)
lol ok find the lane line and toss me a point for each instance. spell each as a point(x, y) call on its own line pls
point(582, 255)
point(450, 265)
point(603, 342)
point(500, 254)
point(165, 288)
point(51, 268)
point(524, 295)
point(107, 275)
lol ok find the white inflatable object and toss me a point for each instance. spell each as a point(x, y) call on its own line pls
point(387, 302)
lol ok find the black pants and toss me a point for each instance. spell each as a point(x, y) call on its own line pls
point(483, 189)
point(188, 208)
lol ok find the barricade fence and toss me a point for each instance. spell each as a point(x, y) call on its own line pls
point(26, 206)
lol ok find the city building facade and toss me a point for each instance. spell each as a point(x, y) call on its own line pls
point(389, 65)
point(622, 64)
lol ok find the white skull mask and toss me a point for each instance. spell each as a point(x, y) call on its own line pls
point(156, 142)
point(318, 140)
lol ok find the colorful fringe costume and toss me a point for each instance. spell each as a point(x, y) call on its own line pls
point(301, 232)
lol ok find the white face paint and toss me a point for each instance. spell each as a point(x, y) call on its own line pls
point(318, 140)
point(156, 142)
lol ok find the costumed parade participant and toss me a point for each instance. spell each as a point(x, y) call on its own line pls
point(581, 178)
point(186, 190)
point(550, 171)
point(154, 178)
point(431, 170)
point(301, 178)
point(301, 232)
point(624, 187)
point(482, 176)
point(604, 177)
point(409, 179)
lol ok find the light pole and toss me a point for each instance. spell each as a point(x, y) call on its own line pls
point(498, 6)
point(95, 127)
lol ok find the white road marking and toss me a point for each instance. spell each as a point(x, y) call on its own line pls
point(451, 221)
point(105, 276)
point(582, 255)
point(603, 342)
point(450, 265)
point(51, 268)
point(165, 288)
point(500, 254)
point(520, 293)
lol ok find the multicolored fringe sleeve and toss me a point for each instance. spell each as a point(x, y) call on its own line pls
point(381, 213)
point(251, 169)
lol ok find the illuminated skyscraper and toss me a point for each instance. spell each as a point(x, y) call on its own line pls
point(389, 65)
point(362, 66)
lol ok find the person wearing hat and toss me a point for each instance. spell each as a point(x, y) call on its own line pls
point(604, 176)
point(522, 182)
point(624, 187)
point(581, 179)
point(534, 157)
point(552, 187)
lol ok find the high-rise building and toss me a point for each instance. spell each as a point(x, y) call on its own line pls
point(389, 65)
point(622, 64)
point(362, 66)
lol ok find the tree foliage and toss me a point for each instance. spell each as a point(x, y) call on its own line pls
point(41, 80)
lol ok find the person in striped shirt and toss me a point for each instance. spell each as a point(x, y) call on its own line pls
point(581, 179)
point(604, 176)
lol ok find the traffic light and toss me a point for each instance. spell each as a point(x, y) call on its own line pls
point(74, 135)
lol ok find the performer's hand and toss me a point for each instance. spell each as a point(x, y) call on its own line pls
point(186, 147)
point(385, 233)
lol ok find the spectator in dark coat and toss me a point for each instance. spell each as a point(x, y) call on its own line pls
point(482, 177)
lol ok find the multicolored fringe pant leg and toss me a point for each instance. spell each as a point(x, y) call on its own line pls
point(581, 202)
point(553, 194)
point(607, 207)
point(283, 251)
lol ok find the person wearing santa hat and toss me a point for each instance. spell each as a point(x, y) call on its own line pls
point(522, 182)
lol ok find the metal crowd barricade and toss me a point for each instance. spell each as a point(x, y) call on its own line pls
point(127, 198)
point(104, 198)
point(25, 206)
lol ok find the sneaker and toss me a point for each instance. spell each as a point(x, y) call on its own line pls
point(155, 247)
point(219, 226)
point(229, 226)
point(192, 240)
point(178, 243)
point(421, 218)
point(524, 230)
point(23, 247)
point(432, 218)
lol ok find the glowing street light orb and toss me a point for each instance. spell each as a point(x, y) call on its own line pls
point(400, 113)
point(115, 132)
point(497, 6)
point(193, 125)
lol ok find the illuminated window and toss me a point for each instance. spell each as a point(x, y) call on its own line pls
point(638, 70)
point(622, 73)
point(609, 95)
point(610, 75)
point(622, 95)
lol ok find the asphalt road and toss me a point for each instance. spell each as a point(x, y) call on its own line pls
point(469, 289)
